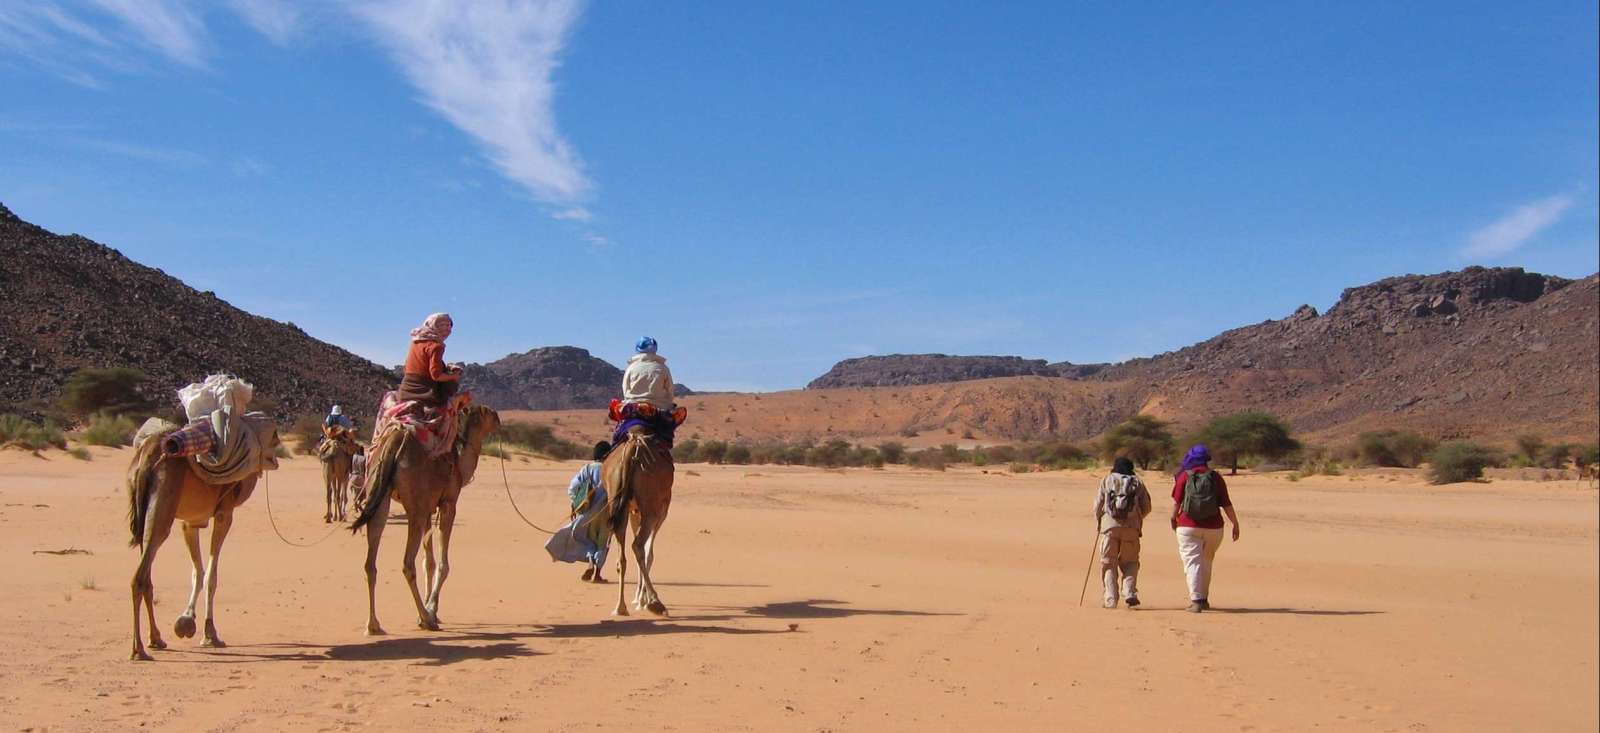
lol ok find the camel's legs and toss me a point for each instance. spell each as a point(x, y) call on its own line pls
point(374, 536)
point(328, 490)
point(219, 534)
point(157, 524)
point(416, 526)
point(621, 536)
point(642, 547)
point(652, 599)
point(184, 626)
point(428, 566)
point(447, 522)
point(341, 487)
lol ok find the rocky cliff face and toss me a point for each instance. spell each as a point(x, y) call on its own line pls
point(549, 378)
point(902, 370)
point(67, 302)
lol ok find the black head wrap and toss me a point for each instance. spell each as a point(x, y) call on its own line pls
point(601, 449)
point(1123, 466)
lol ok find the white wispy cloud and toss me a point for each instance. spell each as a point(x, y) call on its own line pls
point(1508, 233)
point(147, 153)
point(575, 213)
point(278, 20)
point(487, 67)
point(172, 27)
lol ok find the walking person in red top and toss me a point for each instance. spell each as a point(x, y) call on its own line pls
point(1199, 501)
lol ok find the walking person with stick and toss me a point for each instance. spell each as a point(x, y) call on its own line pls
point(1120, 506)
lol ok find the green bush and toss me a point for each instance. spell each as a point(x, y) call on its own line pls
point(1529, 448)
point(686, 451)
point(81, 453)
point(494, 450)
point(1394, 448)
point(1458, 461)
point(17, 430)
point(1255, 434)
point(712, 451)
point(931, 458)
point(1020, 468)
point(115, 390)
point(892, 452)
point(541, 439)
point(1142, 438)
point(1586, 456)
point(1557, 455)
point(738, 455)
point(110, 430)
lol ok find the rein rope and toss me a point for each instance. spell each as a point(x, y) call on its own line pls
point(505, 479)
point(267, 489)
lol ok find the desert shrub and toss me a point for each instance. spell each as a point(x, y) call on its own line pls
point(739, 455)
point(307, 432)
point(998, 454)
point(832, 454)
point(892, 452)
point(1142, 438)
point(110, 430)
point(908, 432)
point(952, 453)
point(81, 453)
point(1394, 448)
point(979, 458)
point(967, 435)
point(686, 451)
point(1458, 461)
point(1256, 434)
point(18, 430)
point(1020, 468)
point(114, 390)
point(1054, 456)
point(541, 439)
point(1557, 455)
point(931, 458)
point(494, 450)
point(712, 451)
point(1529, 447)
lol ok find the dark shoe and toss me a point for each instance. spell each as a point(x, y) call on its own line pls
point(1131, 602)
point(1204, 604)
point(1195, 607)
point(588, 573)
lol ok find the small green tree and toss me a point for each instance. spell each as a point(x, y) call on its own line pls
point(737, 454)
point(1394, 448)
point(686, 451)
point(1458, 461)
point(1257, 434)
point(115, 390)
point(1142, 438)
point(1529, 448)
point(892, 452)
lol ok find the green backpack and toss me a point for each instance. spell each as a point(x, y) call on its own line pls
point(1200, 497)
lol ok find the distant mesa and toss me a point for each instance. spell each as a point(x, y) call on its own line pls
point(548, 378)
point(904, 370)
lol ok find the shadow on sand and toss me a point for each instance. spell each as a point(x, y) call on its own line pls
point(1272, 611)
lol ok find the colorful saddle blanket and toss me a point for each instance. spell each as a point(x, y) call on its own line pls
point(661, 425)
point(434, 429)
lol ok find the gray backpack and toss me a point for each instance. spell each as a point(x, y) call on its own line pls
point(1200, 501)
point(1122, 501)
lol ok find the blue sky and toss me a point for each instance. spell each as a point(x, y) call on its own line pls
point(767, 188)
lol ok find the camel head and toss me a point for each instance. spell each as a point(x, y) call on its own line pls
point(478, 423)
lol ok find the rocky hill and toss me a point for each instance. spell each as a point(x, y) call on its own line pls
point(550, 378)
point(903, 370)
point(67, 302)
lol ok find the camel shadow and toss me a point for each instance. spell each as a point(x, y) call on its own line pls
point(819, 608)
point(1293, 611)
point(433, 650)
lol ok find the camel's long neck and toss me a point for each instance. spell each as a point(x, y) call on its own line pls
point(467, 462)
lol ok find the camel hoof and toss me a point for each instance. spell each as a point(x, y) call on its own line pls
point(376, 631)
point(214, 642)
point(621, 610)
point(157, 643)
point(183, 627)
point(657, 607)
point(329, 520)
point(139, 655)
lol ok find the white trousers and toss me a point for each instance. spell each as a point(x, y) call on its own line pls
point(1198, 549)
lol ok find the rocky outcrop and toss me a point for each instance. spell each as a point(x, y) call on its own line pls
point(548, 378)
point(67, 302)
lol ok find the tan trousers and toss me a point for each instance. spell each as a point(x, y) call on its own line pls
point(1119, 554)
point(1198, 548)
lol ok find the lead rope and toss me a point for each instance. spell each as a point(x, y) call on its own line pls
point(506, 481)
point(266, 478)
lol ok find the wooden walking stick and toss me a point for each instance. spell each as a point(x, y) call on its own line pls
point(1089, 569)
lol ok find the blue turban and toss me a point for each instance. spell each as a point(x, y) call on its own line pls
point(646, 345)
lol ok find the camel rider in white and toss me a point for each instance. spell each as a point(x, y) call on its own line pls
point(336, 418)
point(647, 379)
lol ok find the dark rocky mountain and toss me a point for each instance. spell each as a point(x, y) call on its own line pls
point(67, 302)
point(549, 378)
point(903, 370)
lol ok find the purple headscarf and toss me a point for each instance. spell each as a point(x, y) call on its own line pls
point(1198, 456)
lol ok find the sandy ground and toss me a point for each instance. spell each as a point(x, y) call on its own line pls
point(827, 600)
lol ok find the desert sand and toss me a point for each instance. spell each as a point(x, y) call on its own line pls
point(807, 599)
